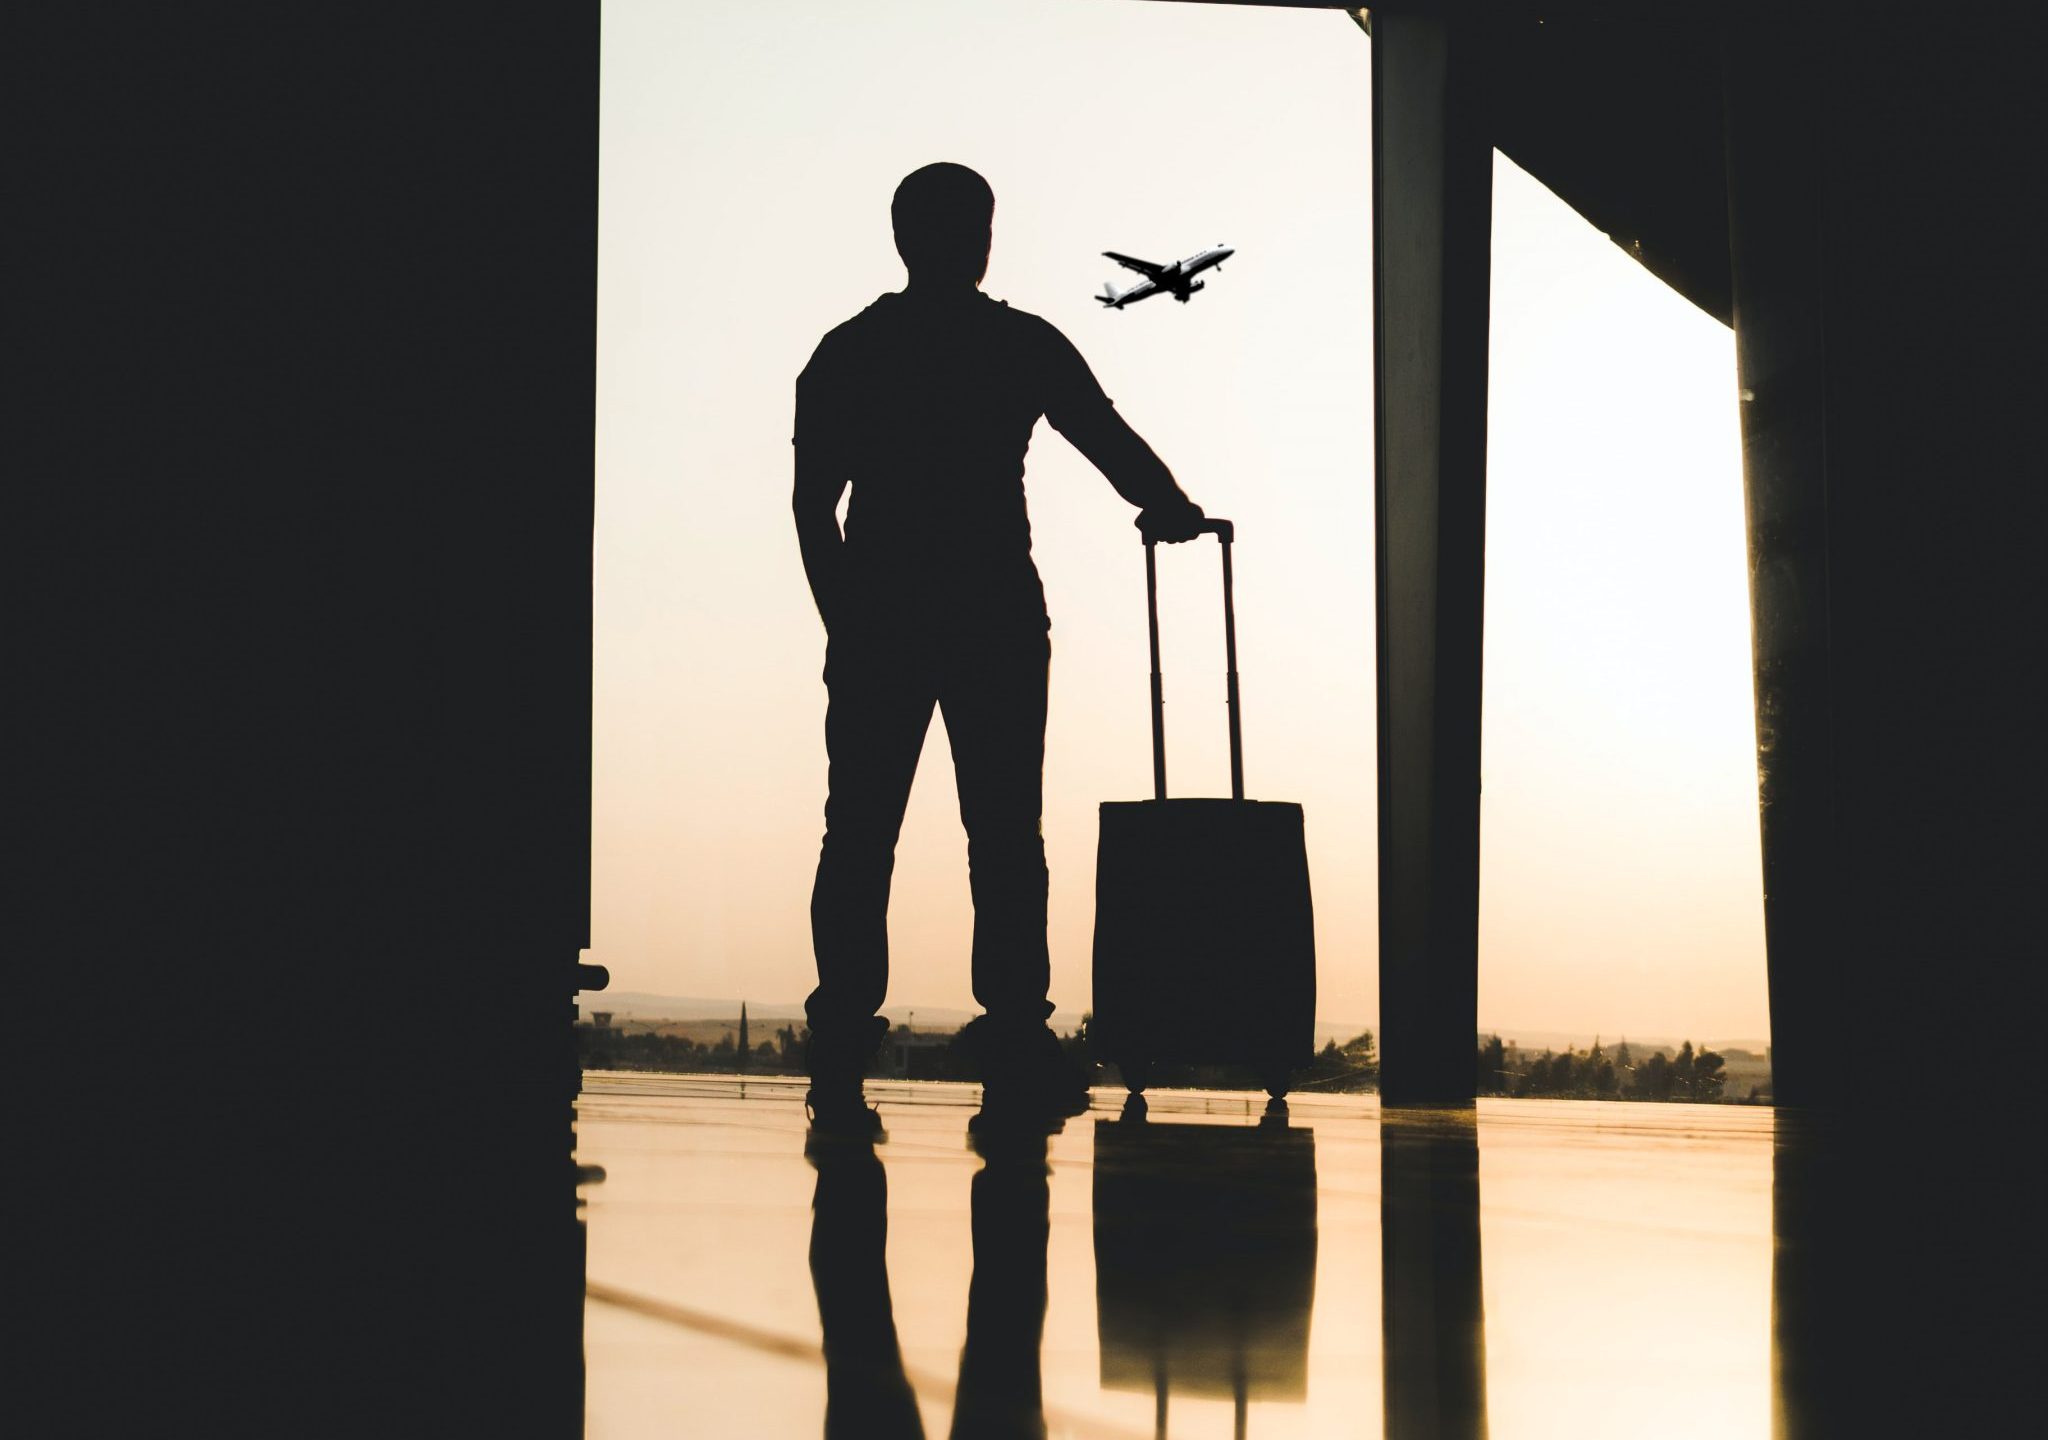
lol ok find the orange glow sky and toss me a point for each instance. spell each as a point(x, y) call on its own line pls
point(749, 152)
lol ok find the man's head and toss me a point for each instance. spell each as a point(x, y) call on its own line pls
point(942, 215)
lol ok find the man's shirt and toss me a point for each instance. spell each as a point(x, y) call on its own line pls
point(926, 408)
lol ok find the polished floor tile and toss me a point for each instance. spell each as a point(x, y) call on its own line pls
point(1546, 1269)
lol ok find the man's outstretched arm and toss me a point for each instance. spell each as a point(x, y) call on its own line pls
point(1081, 412)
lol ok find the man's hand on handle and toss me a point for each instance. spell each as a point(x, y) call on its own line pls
point(1173, 522)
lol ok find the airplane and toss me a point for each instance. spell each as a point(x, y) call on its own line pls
point(1177, 278)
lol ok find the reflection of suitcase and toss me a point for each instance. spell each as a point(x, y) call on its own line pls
point(1205, 1259)
point(1204, 932)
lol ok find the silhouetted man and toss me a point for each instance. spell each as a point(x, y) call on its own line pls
point(924, 404)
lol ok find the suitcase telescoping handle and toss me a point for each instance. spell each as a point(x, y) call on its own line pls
point(1225, 532)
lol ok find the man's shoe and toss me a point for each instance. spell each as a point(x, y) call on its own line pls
point(994, 1130)
point(839, 1114)
point(1025, 1073)
point(837, 1056)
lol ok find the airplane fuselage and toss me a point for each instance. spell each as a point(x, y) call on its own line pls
point(1177, 279)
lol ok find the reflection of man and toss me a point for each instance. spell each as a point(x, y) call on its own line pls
point(924, 404)
point(1000, 1392)
point(867, 1396)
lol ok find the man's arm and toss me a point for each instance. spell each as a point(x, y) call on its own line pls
point(821, 478)
point(1080, 410)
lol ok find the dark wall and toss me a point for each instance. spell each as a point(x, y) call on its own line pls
point(306, 472)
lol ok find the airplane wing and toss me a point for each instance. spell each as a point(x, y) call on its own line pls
point(1143, 267)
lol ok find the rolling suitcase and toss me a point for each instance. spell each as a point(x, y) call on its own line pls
point(1204, 930)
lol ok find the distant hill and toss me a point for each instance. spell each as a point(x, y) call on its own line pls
point(642, 1006)
point(639, 1005)
point(1638, 1044)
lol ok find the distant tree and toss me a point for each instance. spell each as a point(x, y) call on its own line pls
point(1681, 1072)
point(1605, 1082)
point(1653, 1078)
point(1708, 1075)
point(1075, 1046)
point(1493, 1067)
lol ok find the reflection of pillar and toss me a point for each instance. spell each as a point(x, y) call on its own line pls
point(1904, 1278)
point(1432, 218)
point(1433, 1317)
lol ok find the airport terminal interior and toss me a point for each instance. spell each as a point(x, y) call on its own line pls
point(311, 306)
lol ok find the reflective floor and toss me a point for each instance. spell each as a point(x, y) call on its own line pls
point(1546, 1268)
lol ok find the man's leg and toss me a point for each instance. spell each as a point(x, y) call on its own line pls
point(875, 721)
point(994, 703)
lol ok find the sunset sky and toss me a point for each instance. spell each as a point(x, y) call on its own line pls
point(749, 153)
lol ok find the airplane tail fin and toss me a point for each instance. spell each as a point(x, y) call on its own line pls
point(1108, 295)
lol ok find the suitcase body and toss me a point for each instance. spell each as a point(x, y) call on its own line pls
point(1204, 923)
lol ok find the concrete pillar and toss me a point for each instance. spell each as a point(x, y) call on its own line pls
point(1775, 265)
point(1889, 349)
point(1432, 222)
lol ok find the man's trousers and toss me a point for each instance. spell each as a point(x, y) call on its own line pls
point(992, 692)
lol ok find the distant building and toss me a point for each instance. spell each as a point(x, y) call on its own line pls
point(916, 1054)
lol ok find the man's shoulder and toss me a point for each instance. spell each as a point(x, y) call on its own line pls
point(1042, 344)
point(844, 342)
point(1023, 323)
point(890, 328)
